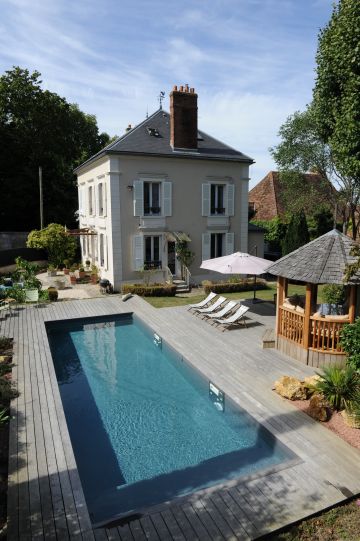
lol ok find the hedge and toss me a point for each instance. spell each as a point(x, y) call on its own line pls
point(153, 290)
point(233, 287)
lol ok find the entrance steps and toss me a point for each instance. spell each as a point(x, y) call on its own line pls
point(181, 286)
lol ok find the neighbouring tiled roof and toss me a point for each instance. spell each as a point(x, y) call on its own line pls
point(321, 261)
point(266, 195)
point(138, 141)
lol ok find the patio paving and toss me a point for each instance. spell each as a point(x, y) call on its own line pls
point(45, 498)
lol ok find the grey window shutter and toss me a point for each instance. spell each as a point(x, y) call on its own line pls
point(167, 198)
point(229, 243)
point(230, 189)
point(206, 246)
point(138, 252)
point(206, 199)
point(138, 198)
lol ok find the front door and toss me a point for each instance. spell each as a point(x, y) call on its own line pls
point(171, 256)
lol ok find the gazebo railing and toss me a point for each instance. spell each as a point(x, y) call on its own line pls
point(291, 325)
point(324, 333)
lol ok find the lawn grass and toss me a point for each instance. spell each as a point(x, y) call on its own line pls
point(341, 523)
point(263, 294)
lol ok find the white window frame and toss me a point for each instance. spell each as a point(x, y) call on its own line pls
point(165, 198)
point(152, 183)
point(100, 198)
point(216, 186)
point(152, 237)
point(91, 205)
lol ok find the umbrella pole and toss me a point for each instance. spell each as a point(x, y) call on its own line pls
point(254, 299)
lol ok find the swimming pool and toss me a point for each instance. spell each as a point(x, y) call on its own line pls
point(144, 425)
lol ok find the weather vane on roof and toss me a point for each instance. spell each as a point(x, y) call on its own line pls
point(161, 97)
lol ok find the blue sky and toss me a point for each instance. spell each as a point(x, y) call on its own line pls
point(251, 61)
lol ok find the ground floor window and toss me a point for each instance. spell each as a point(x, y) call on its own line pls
point(216, 245)
point(152, 252)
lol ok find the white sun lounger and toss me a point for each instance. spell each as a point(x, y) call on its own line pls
point(204, 302)
point(221, 313)
point(234, 319)
point(215, 306)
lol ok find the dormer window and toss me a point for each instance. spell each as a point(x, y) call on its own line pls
point(152, 205)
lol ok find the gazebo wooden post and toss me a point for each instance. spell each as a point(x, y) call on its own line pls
point(280, 290)
point(352, 303)
point(307, 314)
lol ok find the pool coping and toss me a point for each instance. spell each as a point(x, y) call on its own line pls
point(45, 493)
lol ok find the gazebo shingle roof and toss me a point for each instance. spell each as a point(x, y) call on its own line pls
point(321, 261)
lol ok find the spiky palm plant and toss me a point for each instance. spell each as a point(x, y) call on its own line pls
point(339, 385)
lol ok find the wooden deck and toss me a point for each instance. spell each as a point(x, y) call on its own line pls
point(45, 499)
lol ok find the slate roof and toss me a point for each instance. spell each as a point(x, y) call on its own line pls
point(139, 141)
point(321, 261)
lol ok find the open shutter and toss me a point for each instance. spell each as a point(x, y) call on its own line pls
point(206, 246)
point(206, 199)
point(104, 199)
point(167, 198)
point(229, 243)
point(138, 198)
point(138, 252)
point(230, 200)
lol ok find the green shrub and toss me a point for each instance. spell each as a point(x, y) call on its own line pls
point(333, 293)
point(233, 287)
point(53, 294)
point(16, 292)
point(153, 290)
point(7, 391)
point(4, 417)
point(350, 342)
point(5, 343)
point(340, 386)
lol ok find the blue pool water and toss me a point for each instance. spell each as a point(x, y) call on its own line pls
point(144, 426)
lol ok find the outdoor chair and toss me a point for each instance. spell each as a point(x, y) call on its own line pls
point(221, 313)
point(234, 319)
point(204, 302)
point(212, 308)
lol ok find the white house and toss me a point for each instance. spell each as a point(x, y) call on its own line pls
point(162, 182)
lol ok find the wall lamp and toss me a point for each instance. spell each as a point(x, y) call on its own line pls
point(130, 187)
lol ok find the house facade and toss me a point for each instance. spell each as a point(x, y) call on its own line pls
point(162, 183)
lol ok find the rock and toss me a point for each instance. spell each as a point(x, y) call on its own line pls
point(310, 383)
point(291, 388)
point(318, 408)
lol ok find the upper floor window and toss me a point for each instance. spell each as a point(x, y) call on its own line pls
point(217, 205)
point(91, 200)
point(101, 199)
point(218, 199)
point(152, 198)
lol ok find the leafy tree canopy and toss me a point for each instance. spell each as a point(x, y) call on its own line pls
point(39, 128)
point(54, 239)
point(337, 89)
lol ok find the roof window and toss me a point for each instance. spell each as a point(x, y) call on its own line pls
point(154, 132)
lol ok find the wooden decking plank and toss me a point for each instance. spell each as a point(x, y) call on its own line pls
point(184, 525)
point(137, 530)
point(226, 512)
point(241, 516)
point(125, 533)
point(206, 519)
point(172, 526)
point(100, 534)
point(217, 515)
point(160, 526)
point(247, 510)
point(195, 522)
point(113, 534)
point(148, 527)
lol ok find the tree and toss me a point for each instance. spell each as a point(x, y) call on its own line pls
point(275, 232)
point(297, 233)
point(54, 239)
point(336, 95)
point(301, 150)
point(39, 128)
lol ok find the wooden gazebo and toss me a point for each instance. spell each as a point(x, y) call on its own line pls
point(303, 331)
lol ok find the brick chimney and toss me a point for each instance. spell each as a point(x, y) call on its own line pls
point(183, 118)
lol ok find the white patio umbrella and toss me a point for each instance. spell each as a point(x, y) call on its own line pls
point(237, 263)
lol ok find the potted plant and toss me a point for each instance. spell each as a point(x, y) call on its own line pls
point(72, 275)
point(51, 270)
point(87, 264)
point(94, 274)
point(66, 268)
point(82, 272)
point(53, 294)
